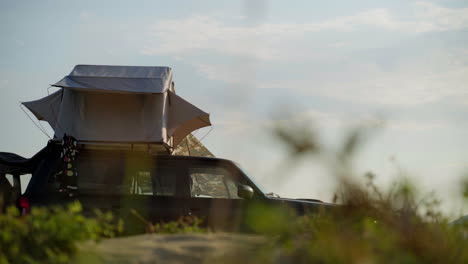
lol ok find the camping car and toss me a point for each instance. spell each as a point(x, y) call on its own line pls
point(122, 143)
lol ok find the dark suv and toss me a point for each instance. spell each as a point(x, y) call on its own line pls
point(135, 185)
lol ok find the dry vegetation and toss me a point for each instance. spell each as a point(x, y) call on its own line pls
point(369, 225)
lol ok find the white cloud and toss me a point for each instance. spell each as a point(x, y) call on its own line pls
point(269, 41)
point(440, 18)
point(390, 88)
point(416, 126)
point(366, 83)
point(347, 77)
point(240, 121)
point(229, 73)
point(205, 33)
point(87, 15)
point(343, 119)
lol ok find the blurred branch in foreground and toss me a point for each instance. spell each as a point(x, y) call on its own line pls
point(370, 225)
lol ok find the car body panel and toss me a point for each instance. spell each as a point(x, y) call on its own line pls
point(142, 188)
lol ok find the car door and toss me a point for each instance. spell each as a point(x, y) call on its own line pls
point(133, 186)
point(169, 192)
point(213, 195)
point(155, 196)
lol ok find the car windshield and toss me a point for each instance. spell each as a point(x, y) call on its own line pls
point(212, 182)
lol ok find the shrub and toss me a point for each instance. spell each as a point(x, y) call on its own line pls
point(185, 224)
point(368, 228)
point(50, 235)
point(369, 225)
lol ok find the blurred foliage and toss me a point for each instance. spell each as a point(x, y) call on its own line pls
point(298, 144)
point(368, 226)
point(185, 224)
point(50, 235)
point(464, 186)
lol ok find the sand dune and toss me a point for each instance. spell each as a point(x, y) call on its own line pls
point(171, 249)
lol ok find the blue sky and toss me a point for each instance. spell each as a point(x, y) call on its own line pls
point(402, 65)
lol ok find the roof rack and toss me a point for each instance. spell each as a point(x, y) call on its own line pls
point(157, 148)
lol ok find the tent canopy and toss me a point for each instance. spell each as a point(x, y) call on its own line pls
point(11, 163)
point(134, 79)
point(119, 104)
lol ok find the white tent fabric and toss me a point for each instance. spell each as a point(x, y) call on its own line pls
point(47, 108)
point(111, 106)
point(135, 79)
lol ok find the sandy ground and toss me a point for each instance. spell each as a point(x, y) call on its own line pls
point(171, 249)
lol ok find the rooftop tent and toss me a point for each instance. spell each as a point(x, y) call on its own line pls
point(126, 79)
point(119, 104)
point(191, 146)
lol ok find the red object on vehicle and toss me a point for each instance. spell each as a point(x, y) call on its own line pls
point(24, 205)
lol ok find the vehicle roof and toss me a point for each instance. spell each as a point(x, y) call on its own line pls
point(192, 158)
point(161, 156)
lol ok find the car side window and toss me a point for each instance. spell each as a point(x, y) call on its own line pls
point(212, 183)
point(159, 183)
point(165, 182)
point(118, 176)
point(141, 183)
